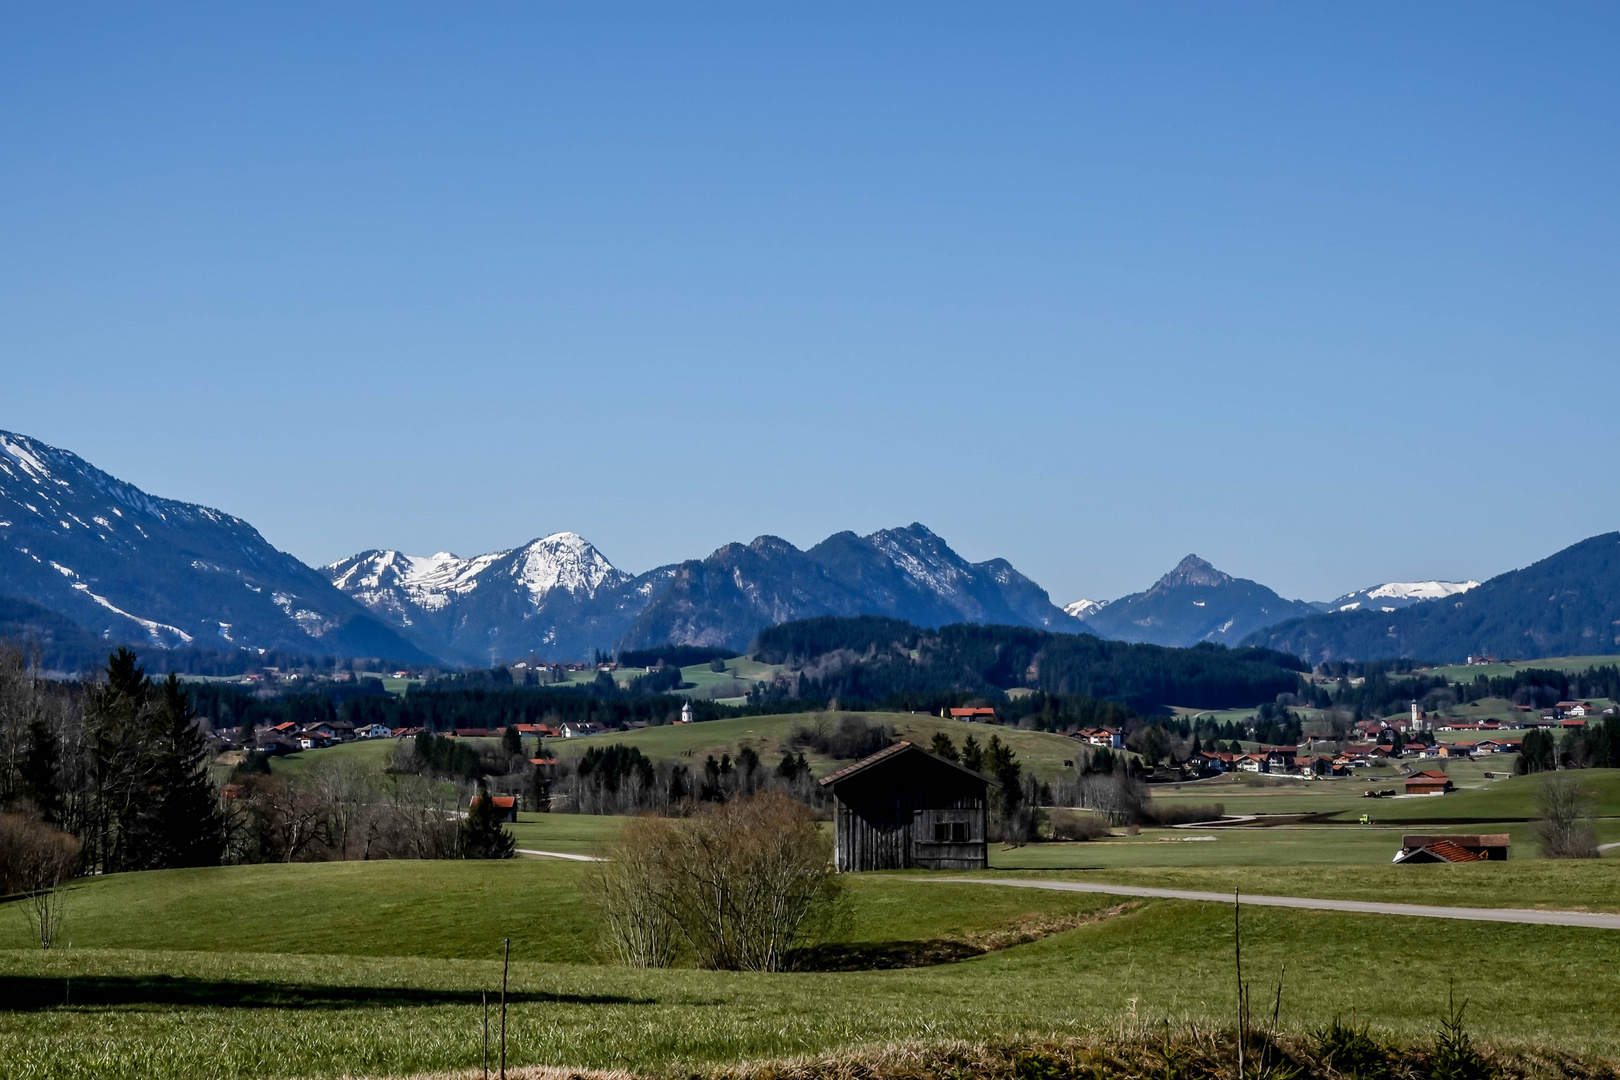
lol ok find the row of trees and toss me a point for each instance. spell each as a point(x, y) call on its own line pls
point(1594, 746)
point(115, 776)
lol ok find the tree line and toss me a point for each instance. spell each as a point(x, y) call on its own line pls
point(872, 662)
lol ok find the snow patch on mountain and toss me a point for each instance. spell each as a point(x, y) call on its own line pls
point(1081, 608)
point(1394, 595)
point(567, 561)
point(1421, 590)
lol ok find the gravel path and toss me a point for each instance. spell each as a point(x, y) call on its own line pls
point(1598, 920)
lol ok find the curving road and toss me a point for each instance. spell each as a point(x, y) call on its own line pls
point(1590, 919)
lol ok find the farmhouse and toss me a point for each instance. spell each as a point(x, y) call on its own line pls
point(1485, 847)
point(1428, 783)
point(1099, 736)
point(974, 715)
point(904, 807)
point(505, 805)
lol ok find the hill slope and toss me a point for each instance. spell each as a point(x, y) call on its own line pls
point(1192, 603)
point(1566, 604)
point(128, 566)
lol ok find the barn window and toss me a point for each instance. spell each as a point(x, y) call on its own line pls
point(950, 832)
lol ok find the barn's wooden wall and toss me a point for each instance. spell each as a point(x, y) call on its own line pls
point(905, 839)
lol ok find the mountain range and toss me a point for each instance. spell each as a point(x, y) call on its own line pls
point(560, 597)
point(1568, 604)
point(1196, 602)
point(87, 560)
point(126, 566)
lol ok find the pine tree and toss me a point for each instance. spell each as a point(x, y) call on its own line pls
point(121, 765)
point(512, 741)
point(38, 772)
point(191, 829)
point(482, 834)
point(944, 747)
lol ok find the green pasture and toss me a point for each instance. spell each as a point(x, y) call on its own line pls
point(570, 834)
point(1468, 673)
point(377, 969)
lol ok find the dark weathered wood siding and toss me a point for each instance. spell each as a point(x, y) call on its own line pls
point(886, 818)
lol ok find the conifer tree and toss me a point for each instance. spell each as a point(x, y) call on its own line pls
point(191, 830)
point(512, 741)
point(482, 834)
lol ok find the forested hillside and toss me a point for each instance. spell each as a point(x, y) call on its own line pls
point(887, 660)
point(1565, 605)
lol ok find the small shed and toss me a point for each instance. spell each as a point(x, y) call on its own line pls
point(904, 808)
point(1454, 848)
point(1428, 782)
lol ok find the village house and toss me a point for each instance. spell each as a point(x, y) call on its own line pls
point(505, 805)
point(1457, 749)
point(573, 729)
point(1498, 746)
point(1099, 736)
point(372, 731)
point(974, 715)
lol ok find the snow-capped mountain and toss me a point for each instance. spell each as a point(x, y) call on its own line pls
point(555, 597)
point(1394, 595)
point(1192, 603)
point(131, 567)
point(1082, 608)
point(560, 598)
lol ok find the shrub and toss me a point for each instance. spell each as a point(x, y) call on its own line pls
point(1071, 825)
point(852, 738)
point(1178, 814)
point(742, 883)
point(1345, 1048)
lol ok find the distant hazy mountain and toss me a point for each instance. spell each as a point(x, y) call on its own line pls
point(908, 573)
point(130, 567)
point(1192, 603)
point(556, 597)
point(1394, 595)
point(1080, 609)
point(1566, 604)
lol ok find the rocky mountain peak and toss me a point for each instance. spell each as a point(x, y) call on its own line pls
point(1193, 571)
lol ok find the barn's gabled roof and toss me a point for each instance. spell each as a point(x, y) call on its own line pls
point(895, 751)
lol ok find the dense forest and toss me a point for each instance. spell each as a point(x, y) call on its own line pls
point(871, 661)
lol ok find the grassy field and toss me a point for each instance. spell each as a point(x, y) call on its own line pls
point(1468, 673)
point(327, 970)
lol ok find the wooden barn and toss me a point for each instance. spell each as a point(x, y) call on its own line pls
point(906, 808)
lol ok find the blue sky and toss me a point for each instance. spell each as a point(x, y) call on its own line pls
point(1325, 295)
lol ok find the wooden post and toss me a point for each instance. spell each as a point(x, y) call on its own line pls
point(506, 962)
point(485, 995)
point(1237, 953)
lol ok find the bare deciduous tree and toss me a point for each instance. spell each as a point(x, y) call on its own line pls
point(1565, 827)
point(37, 860)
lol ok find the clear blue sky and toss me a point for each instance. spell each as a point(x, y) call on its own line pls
point(1328, 296)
